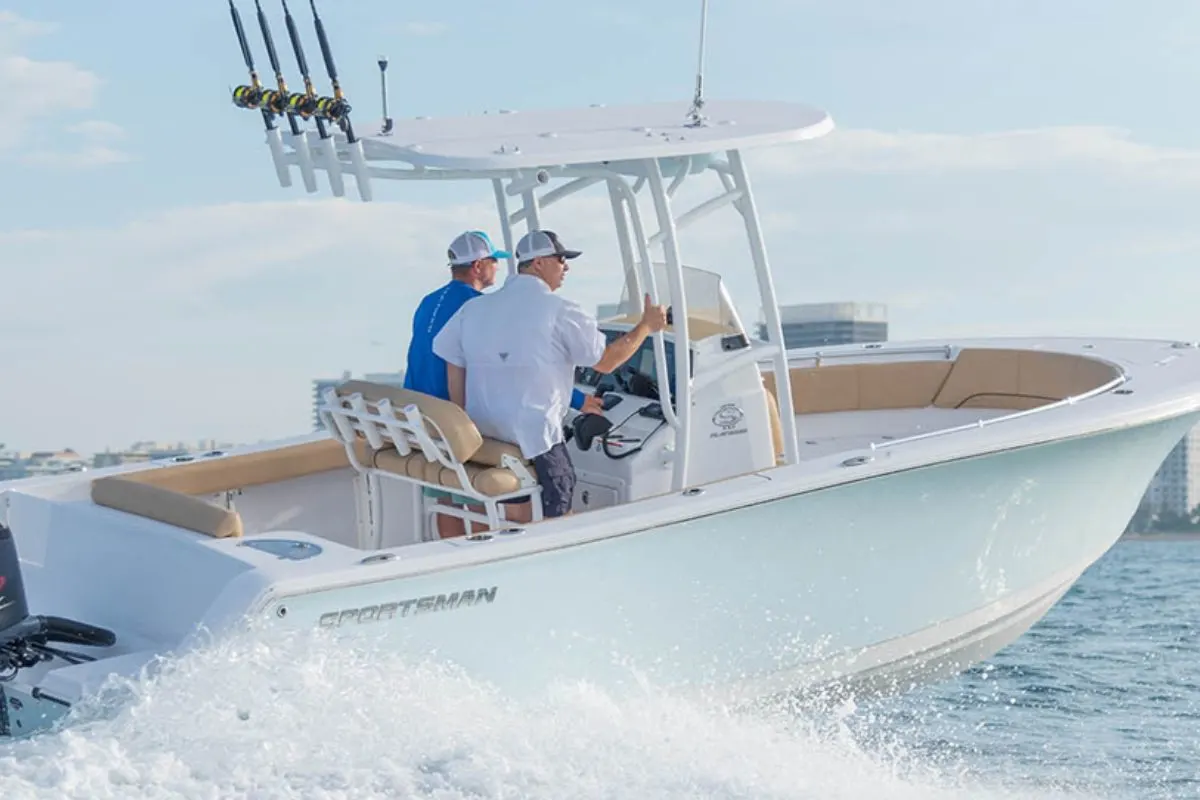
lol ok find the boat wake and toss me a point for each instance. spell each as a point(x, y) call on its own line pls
point(291, 715)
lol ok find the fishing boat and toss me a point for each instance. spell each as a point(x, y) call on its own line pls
point(749, 520)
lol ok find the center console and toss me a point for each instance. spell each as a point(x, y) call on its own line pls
point(628, 460)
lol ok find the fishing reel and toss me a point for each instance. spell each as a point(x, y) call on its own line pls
point(303, 105)
point(259, 97)
point(306, 106)
point(248, 97)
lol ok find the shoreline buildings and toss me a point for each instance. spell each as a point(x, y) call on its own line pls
point(826, 324)
point(319, 386)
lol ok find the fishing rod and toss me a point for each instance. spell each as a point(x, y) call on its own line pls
point(306, 104)
point(300, 106)
point(276, 101)
point(255, 96)
point(280, 102)
point(310, 105)
point(338, 109)
point(249, 97)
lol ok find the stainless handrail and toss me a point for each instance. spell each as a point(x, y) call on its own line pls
point(945, 350)
point(869, 350)
point(983, 423)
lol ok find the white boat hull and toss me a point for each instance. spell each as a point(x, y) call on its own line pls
point(903, 577)
point(865, 569)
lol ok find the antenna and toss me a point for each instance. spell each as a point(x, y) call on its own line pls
point(386, 130)
point(695, 115)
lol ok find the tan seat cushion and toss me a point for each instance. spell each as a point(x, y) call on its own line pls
point(978, 378)
point(776, 423)
point(866, 387)
point(165, 505)
point(1003, 378)
point(486, 480)
point(227, 473)
point(492, 449)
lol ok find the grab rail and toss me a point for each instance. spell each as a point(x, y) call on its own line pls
point(876, 349)
point(983, 423)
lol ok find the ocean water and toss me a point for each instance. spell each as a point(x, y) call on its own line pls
point(1100, 700)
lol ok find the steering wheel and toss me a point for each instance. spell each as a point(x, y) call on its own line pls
point(635, 382)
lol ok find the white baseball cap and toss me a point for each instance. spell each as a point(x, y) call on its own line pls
point(470, 246)
point(542, 243)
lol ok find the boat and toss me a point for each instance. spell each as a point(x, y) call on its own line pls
point(749, 520)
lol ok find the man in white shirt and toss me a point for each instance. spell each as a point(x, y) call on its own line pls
point(511, 357)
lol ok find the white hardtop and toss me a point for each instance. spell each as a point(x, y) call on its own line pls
point(541, 157)
point(508, 140)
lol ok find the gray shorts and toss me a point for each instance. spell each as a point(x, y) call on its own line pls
point(556, 476)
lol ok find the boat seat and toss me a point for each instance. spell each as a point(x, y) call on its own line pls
point(388, 431)
point(1019, 379)
point(491, 481)
point(776, 423)
point(863, 387)
point(179, 493)
point(165, 505)
point(978, 378)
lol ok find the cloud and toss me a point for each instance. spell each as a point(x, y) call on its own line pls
point(98, 130)
point(39, 92)
point(210, 321)
point(83, 158)
point(877, 152)
point(96, 150)
point(424, 29)
point(15, 29)
point(616, 17)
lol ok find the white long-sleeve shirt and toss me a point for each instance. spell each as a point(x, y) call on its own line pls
point(520, 346)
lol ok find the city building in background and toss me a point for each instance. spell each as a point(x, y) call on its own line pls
point(15, 465)
point(139, 452)
point(608, 311)
point(11, 464)
point(318, 388)
point(321, 384)
point(825, 324)
point(1174, 492)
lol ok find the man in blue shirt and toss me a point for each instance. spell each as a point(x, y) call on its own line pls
point(473, 262)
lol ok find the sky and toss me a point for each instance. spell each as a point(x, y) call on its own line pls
point(997, 168)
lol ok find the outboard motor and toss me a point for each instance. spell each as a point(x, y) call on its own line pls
point(25, 640)
point(13, 606)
